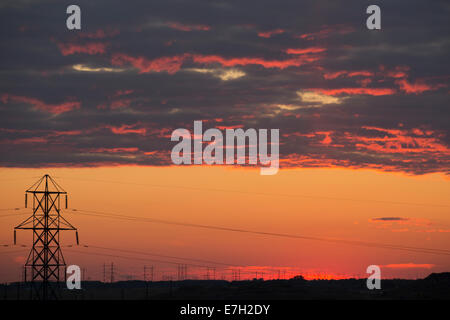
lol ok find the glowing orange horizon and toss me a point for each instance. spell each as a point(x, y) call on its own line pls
point(330, 202)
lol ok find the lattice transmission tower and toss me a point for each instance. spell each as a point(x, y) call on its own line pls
point(45, 259)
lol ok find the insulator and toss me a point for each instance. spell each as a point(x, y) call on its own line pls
point(76, 235)
point(66, 201)
point(14, 237)
point(26, 200)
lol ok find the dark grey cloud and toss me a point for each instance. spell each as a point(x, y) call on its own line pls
point(390, 219)
point(125, 115)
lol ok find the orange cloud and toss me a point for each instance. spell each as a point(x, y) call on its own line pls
point(435, 230)
point(393, 223)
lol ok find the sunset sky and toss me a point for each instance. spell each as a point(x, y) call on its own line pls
point(363, 118)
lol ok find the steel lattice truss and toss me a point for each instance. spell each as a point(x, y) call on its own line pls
point(45, 259)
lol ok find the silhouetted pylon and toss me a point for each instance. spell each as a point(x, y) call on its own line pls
point(45, 258)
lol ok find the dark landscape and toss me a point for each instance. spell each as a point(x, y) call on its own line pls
point(434, 287)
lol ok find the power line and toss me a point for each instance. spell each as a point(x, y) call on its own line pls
point(15, 179)
point(159, 255)
point(155, 260)
point(283, 235)
point(135, 258)
point(228, 265)
point(12, 214)
point(14, 251)
point(258, 232)
point(5, 245)
point(269, 194)
point(112, 272)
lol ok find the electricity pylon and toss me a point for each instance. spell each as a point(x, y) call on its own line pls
point(45, 258)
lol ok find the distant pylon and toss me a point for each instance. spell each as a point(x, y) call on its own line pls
point(182, 272)
point(83, 274)
point(45, 258)
point(112, 272)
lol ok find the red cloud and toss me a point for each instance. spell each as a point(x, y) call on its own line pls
point(115, 150)
point(120, 103)
point(299, 160)
point(356, 91)
point(40, 105)
point(305, 51)
point(397, 72)
point(417, 87)
point(173, 64)
point(327, 140)
point(119, 93)
point(400, 73)
point(188, 27)
point(326, 32)
point(32, 140)
point(231, 62)
point(89, 48)
point(99, 34)
point(126, 129)
point(400, 141)
point(410, 148)
point(66, 133)
point(268, 34)
point(168, 64)
point(363, 73)
point(334, 75)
